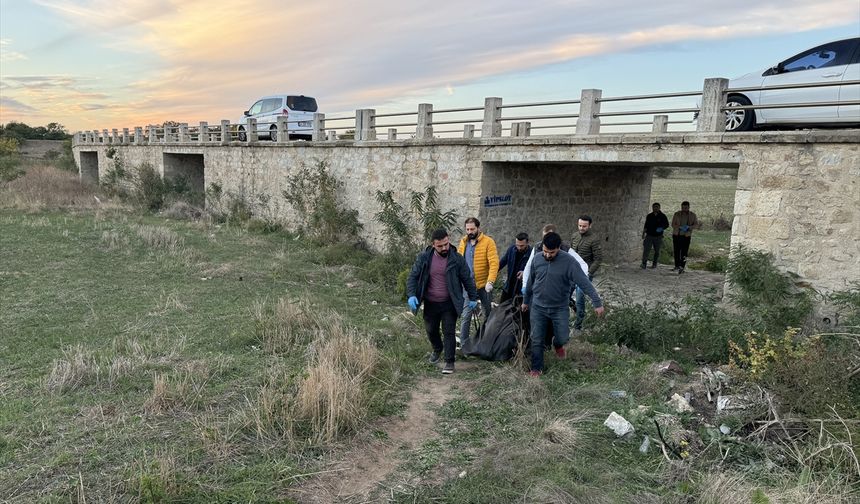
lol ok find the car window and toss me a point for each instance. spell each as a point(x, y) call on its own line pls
point(302, 103)
point(255, 108)
point(833, 54)
point(271, 104)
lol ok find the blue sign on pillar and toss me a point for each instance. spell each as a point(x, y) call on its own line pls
point(494, 200)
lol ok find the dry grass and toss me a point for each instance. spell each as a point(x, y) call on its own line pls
point(289, 325)
point(115, 240)
point(735, 488)
point(77, 367)
point(333, 396)
point(156, 479)
point(80, 366)
point(161, 239)
point(169, 393)
point(219, 440)
point(564, 432)
point(272, 414)
point(45, 187)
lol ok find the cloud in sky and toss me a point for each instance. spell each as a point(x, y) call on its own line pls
point(213, 58)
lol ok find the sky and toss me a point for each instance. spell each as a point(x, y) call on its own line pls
point(95, 64)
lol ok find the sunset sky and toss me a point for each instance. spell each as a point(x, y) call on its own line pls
point(111, 64)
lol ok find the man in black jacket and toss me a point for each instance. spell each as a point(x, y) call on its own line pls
point(438, 278)
point(515, 259)
point(652, 234)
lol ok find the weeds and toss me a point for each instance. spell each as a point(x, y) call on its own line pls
point(314, 195)
point(333, 396)
point(46, 187)
point(161, 239)
point(288, 325)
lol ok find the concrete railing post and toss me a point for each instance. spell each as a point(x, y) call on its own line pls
point(588, 123)
point(105, 136)
point(114, 136)
point(712, 118)
point(203, 132)
point(225, 132)
point(661, 124)
point(365, 124)
point(318, 134)
point(153, 135)
point(469, 131)
point(125, 136)
point(100, 139)
point(492, 126)
point(392, 133)
point(331, 136)
point(138, 135)
point(252, 130)
point(283, 129)
point(76, 138)
point(424, 131)
point(170, 134)
point(525, 129)
point(183, 132)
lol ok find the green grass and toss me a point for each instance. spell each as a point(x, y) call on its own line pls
point(709, 198)
point(105, 294)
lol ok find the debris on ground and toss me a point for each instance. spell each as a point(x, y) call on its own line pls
point(679, 404)
point(619, 425)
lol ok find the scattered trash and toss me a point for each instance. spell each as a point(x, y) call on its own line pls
point(670, 366)
point(619, 425)
point(646, 443)
point(679, 404)
point(618, 394)
point(713, 382)
point(725, 429)
point(462, 475)
point(385, 318)
point(733, 402)
point(374, 303)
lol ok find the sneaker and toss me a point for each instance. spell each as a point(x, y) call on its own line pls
point(560, 352)
point(675, 268)
point(643, 265)
point(449, 368)
point(535, 373)
point(680, 270)
point(654, 266)
point(434, 357)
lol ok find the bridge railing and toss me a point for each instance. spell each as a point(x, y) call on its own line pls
point(591, 114)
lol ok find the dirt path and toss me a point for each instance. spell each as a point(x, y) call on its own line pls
point(356, 474)
point(629, 283)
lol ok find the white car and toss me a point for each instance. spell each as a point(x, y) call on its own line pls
point(837, 61)
point(297, 109)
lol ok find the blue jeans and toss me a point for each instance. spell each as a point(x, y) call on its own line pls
point(466, 324)
point(580, 306)
point(541, 318)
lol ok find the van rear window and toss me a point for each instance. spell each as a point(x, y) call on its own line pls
point(302, 103)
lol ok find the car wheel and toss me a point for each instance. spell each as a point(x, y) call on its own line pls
point(242, 136)
point(273, 133)
point(739, 120)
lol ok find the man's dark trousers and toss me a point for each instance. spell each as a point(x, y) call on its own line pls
point(651, 241)
point(444, 312)
point(681, 245)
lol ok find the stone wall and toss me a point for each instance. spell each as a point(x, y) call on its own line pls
point(558, 193)
point(797, 191)
point(803, 206)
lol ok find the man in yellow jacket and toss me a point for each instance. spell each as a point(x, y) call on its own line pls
point(480, 253)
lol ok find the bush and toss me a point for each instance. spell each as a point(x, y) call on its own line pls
point(808, 375)
point(314, 194)
point(765, 294)
point(149, 188)
point(10, 161)
point(717, 264)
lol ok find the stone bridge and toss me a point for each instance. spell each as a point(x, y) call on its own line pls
point(798, 192)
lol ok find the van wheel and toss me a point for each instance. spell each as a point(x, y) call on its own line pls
point(739, 120)
point(242, 136)
point(273, 133)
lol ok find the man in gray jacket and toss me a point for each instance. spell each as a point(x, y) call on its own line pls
point(553, 276)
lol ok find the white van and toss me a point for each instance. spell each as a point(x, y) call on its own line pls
point(297, 109)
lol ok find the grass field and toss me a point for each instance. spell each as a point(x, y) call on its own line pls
point(709, 198)
point(147, 359)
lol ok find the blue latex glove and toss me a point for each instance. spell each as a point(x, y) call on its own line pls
point(659, 230)
point(523, 290)
point(413, 303)
point(472, 305)
point(684, 229)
